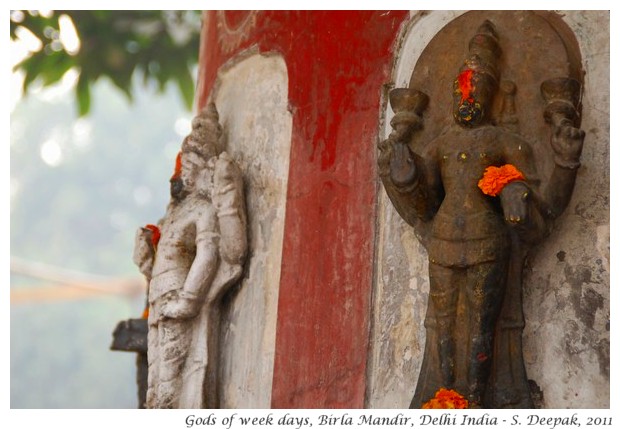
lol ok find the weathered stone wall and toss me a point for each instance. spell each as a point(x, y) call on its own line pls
point(566, 292)
point(251, 95)
point(566, 284)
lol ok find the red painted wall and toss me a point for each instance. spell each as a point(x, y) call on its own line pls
point(337, 63)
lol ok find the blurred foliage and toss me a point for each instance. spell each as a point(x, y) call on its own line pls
point(162, 45)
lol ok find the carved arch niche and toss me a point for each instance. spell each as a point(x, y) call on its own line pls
point(536, 46)
point(251, 94)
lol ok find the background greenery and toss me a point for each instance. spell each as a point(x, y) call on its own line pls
point(81, 211)
point(161, 45)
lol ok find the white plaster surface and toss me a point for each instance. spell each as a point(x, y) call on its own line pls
point(251, 96)
point(566, 284)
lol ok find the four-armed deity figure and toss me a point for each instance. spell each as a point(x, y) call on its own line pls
point(476, 188)
point(198, 255)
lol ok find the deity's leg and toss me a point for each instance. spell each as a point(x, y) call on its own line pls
point(444, 292)
point(153, 359)
point(173, 353)
point(485, 292)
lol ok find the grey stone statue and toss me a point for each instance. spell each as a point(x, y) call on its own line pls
point(199, 255)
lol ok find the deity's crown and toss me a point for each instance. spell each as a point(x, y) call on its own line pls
point(205, 135)
point(484, 51)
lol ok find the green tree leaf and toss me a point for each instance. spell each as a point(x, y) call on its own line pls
point(83, 94)
point(114, 44)
point(186, 85)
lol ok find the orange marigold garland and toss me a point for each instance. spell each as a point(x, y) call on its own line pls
point(447, 399)
point(495, 178)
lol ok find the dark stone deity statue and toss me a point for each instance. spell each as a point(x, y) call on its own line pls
point(476, 196)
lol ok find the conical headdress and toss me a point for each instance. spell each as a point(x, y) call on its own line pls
point(205, 135)
point(484, 51)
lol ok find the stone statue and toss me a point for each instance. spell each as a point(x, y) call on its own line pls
point(476, 190)
point(199, 255)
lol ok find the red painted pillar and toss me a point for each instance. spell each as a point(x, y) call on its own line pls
point(337, 63)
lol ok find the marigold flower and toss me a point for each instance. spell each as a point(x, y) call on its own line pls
point(495, 178)
point(145, 313)
point(447, 399)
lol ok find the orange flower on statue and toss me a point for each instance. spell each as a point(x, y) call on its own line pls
point(145, 313)
point(447, 399)
point(495, 178)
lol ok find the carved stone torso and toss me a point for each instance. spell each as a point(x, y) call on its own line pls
point(462, 156)
point(469, 227)
point(177, 248)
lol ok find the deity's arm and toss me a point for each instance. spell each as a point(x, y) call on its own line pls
point(144, 251)
point(412, 181)
point(521, 200)
point(185, 303)
point(205, 264)
point(229, 202)
point(567, 143)
point(518, 152)
point(552, 197)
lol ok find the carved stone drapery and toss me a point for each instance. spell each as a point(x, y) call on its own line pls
point(431, 168)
